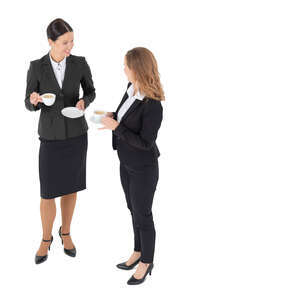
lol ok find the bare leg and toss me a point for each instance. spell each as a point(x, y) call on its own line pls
point(48, 213)
point(141, 270)
point(67, 204)
point(134, 257)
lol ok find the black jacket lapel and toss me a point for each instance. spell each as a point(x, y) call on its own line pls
point(49, 73)
point(125, 97)
point(133, 106)
point(69, 70)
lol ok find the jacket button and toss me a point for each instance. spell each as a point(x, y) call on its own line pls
point(61, 94)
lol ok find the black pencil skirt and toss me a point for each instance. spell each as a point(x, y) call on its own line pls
point(62, 166)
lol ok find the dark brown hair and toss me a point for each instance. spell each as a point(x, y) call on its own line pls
point(57, 28)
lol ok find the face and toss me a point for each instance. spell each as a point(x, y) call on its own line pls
point(63, 45)
point(129, 73)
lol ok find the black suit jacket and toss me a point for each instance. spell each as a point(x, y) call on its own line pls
point(135, 136)
point(41, 79)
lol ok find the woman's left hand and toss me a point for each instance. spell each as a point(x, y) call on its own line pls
point(109, 123)
point(80, 104)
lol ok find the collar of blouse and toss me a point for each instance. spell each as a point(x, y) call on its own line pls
point(58, 65)
point(138, 95)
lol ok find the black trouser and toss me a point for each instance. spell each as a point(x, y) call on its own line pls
point(139, 184)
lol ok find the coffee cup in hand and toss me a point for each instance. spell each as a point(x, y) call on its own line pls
point(48, 99)
point(98, 115)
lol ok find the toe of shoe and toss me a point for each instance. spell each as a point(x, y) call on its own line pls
point(40, 259)
point(70, 252)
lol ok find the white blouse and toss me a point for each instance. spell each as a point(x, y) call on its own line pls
point(59, 70)
point(129, 101)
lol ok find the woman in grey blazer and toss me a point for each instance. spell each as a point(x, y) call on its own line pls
point(63, 147)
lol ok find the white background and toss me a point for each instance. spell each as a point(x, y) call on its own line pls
point(227, 203)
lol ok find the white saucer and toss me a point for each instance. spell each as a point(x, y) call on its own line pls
point(72, 112)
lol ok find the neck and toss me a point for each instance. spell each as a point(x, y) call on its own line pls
point(55, 57)
point(135, 87)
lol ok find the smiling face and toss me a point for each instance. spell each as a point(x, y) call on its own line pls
point(129, 73)
point(63, 45)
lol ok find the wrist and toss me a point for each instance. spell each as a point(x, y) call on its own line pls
point(116, 125)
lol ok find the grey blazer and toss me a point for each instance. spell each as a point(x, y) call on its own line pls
point(41, 79)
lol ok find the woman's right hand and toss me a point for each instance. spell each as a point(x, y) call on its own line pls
point(109, 114)
point(35, 98)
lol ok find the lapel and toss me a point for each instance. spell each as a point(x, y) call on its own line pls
point(50, 73)
point(133, 106)
point(125, 97)
point(70, 69)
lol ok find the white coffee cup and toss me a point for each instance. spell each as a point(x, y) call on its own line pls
point(48, 99)
point(98, 115)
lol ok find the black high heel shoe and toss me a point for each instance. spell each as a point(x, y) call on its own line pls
point(133, 281)
point(70, 252)
point(123, 265)
point(43, 258)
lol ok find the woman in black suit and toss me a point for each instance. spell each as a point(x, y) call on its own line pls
point(135, 125)
point(63, 146)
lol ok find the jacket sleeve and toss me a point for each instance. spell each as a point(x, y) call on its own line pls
point(32, 85)
point(87, 85)
point(152, 118)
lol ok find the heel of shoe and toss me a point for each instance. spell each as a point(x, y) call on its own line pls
point(59, 232)
point(151, 269)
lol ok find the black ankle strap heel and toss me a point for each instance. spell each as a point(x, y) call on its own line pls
point(69, 252)
point(40, 259)
point(47, 241)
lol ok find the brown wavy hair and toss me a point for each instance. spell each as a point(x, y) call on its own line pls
point(144, 66)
